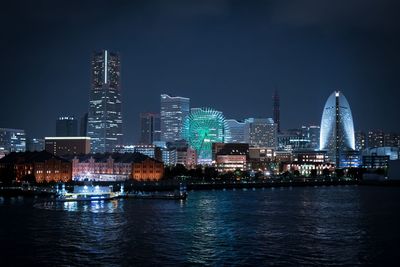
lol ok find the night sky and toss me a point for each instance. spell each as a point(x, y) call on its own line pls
point(229, 55)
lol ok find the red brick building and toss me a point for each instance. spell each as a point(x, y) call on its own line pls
point(43, 166)
point(148, 169)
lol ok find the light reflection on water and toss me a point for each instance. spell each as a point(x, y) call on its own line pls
point(274, 226)
point(101, 206)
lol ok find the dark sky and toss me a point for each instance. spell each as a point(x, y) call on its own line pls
point(229, 55)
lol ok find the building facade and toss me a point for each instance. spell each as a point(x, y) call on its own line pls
point(337, 129)
point(61, 146)
point(262, 132)
point(147, 170)
point(150, 130)
point(174, 110)
point(67, 126)
point(12, 140)
point(239, 131)
point(105, 113)
point(42, 166)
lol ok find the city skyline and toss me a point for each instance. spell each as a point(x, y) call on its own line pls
point(304, 59)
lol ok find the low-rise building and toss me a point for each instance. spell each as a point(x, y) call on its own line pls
point(40, 166)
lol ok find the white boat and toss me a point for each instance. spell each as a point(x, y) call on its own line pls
point(88, 193)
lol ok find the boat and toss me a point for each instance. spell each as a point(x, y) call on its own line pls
point(88, 193)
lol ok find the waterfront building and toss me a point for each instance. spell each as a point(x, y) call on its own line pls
point(262, 132)
point(105, 114)
point(374, 162)
point(147, 170)
point(203, 127)
point(391, 152)
point(114, 167)
point(66, 126)
point(67, 145)
point(350, 159)
point(306, 169)
point(230, 156)
point(361, 140)
point(12, 140)
point(150, 131)
point(276, 110)
point(229, 149)
point(174, 110)
point(239, 131)
point(337, 129)
point(310, 156)
point(231, 163)
point(260, 158)
point(34, 144)
point(40, 166)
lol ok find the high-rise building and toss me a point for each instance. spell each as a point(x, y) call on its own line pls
point(376, 138)
point(83, 125)
point(174, 110)
point(149, 128)
point(311, 133)
point(361, 140)
point(239, 131)
point(67, 126)
point(105, 114)
point(12, 140)
point(276, 110)
point(337, 129)
point(262, 132)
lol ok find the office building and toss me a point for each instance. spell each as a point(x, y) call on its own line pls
point(262, 132)
point(66, 126)
point(61, 146)
point(105, 114)
point(174, 110)
point(12, 140)
point(150, 130)
point(376, 138)
point(337, 129)
point(239, 131)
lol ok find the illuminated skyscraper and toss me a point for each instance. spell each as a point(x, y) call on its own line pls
point(105, 115)
point(174, 110)
point(262, 132)
point(337, 129)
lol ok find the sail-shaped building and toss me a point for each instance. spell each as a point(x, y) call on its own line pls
point(337, 128)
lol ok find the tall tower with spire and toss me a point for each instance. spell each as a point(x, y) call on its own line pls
point(276, 110)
